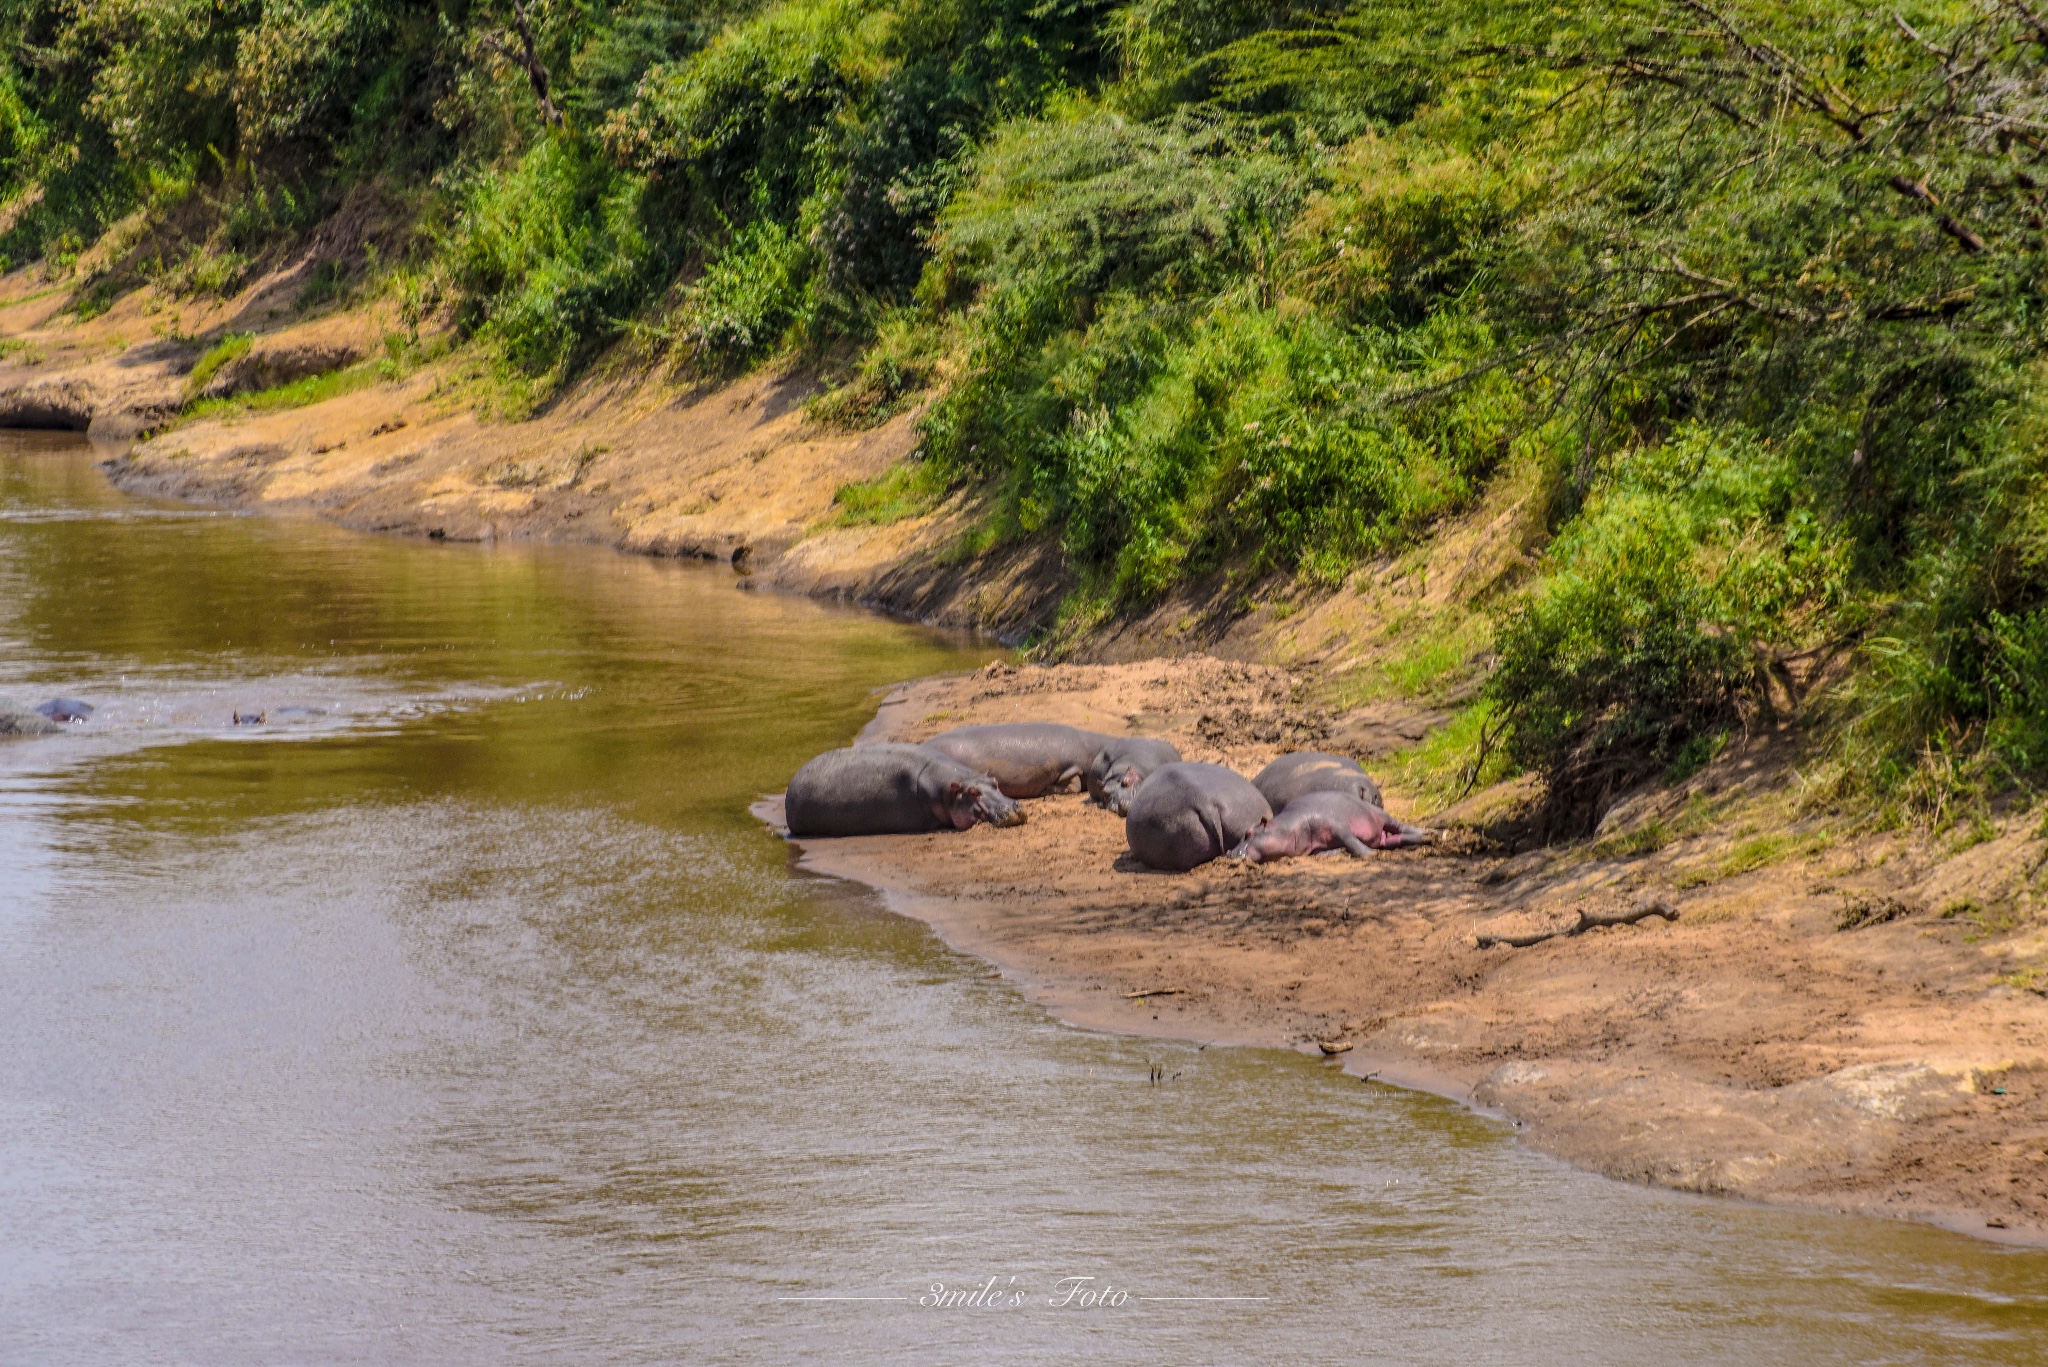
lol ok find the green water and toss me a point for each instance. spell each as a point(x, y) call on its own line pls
point(461, 1014)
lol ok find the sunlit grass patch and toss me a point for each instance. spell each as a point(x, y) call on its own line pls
point(1457, 758)
point(228, 349)
point(910, 490)
point(298, 394)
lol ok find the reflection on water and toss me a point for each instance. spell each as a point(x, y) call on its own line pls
point(465, 1016)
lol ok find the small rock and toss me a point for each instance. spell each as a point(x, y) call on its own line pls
point(16, 720)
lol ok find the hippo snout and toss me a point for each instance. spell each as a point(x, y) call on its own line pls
point(1003, 812)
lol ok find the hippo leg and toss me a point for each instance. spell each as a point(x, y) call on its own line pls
point(1352, 842)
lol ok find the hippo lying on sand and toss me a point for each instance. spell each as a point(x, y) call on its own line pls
point(1311, 771)
point(65, 709)
point(1315, 822)
point(1124, 762)
point(892, 789)
point(16, 720)
point(1188, 814)
point(1025, 758)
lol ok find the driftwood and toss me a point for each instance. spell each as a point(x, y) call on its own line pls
point(1155, 992)
point(1585, 921)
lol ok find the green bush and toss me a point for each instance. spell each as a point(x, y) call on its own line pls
point(1659, 609)
point(549, 256)
point(749, 298)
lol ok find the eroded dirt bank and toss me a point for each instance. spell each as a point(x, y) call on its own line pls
point(1750, 1047)
point(636, 459)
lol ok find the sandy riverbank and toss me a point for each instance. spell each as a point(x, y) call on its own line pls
point(1750, 1048)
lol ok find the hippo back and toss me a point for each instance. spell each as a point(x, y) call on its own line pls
point(1025, 758)
point(886, 789)
point(1311, 771)
point(1187, 814)
point(1121, 764)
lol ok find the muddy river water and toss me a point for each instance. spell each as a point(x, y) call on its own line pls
point(459, 1013)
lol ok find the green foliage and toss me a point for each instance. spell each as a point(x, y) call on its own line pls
point(749, 298)
point(549, 255)
point(912, 489)
point(298, 393)
point(233, 347)
point(1662, 603)
point(1198, 287)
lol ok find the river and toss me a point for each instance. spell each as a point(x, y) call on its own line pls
point(460, 1013)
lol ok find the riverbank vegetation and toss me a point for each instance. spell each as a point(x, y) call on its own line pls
point(1207, 289)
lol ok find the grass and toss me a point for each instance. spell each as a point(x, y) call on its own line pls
point(298, 394)
point(1425, 659)
point(910, 490)
point(230, 348)
point(1752, 854)
point(1452, 760)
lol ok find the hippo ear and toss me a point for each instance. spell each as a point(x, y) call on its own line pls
point(956, 790)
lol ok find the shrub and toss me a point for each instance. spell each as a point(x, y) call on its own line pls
point(1656, 616)
point(548, 257)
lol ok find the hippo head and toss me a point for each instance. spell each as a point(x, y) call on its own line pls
point(1118, 786)
point(1252, 849)
point(967, 803)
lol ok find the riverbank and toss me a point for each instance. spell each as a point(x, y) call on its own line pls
point(1753, 1046)
point(345, 413)
point(1749, 1046)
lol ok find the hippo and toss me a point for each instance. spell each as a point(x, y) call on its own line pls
point(1315, 822)
point(249, 718)
point(1122, 763)
point(892, 789)
point(1025, 758)
point(1187, 814)
point(16, 720)
point(65, 709)
point(1311, 771)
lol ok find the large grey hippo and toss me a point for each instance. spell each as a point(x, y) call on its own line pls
point(1315, 822)
point(65, 709)
point(16, 720)
point(1025, 758)
point(1311, 771)
point(1124, 762)
point(892, 789)
point(1187, 814)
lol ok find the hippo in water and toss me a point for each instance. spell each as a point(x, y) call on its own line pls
point(65, 709)
point(892, 789)
point(1188, 814)
point(1311, 771)
point(1123, 762)
point(1025, 758)
point(1315, 822)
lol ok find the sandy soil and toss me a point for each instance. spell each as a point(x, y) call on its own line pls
point(1749, 1047)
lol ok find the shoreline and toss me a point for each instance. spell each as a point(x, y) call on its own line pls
point(1767, 1044)
point(1908, 1126)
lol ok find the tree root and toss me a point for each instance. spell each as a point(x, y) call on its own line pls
point(1587, 920)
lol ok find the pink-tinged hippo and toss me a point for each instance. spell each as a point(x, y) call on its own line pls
point(1187, 814)
point(1124, 762)
point(1315, 822)
point(892, 789)
point(1025, 758)
point(1311, 771)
